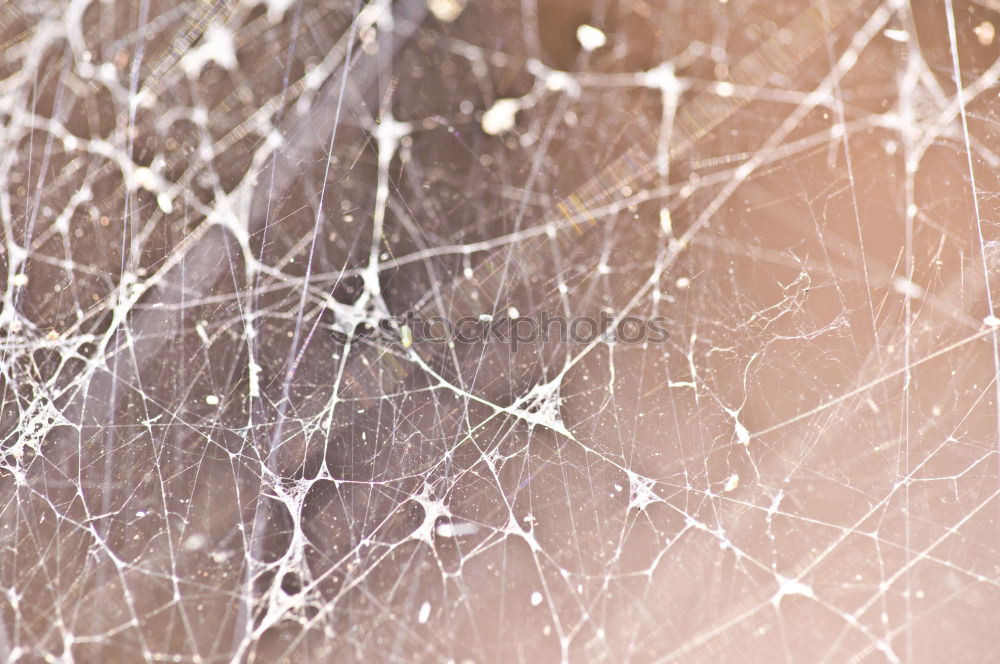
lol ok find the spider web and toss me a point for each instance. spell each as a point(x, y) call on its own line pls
point(208, 453)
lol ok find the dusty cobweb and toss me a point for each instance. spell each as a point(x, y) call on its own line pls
point(210, 210)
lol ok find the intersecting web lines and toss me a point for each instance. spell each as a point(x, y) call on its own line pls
point(225, 438)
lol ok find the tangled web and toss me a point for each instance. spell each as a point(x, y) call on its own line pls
point(209, 211)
